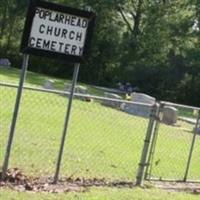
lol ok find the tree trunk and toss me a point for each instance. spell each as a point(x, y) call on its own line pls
point(137, 19)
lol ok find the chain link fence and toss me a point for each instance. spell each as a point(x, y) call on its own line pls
point(102, 141)
point(175, 152)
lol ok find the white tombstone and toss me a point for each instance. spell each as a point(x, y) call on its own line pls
point(139, 110)
point(49, 84)
point(170, 115)
point(142, 98)
point(114, 104)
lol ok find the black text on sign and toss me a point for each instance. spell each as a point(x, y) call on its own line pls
point(57, 31)
point(54, 31)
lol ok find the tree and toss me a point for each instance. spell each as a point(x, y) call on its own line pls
point(153, 44)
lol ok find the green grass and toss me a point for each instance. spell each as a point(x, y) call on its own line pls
point(11, 75)
point(172, 152)
point(101, 143)
point(100, 194)
point(187, 113)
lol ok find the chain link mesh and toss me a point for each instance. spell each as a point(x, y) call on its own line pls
point(102, 142)
point(173, 145)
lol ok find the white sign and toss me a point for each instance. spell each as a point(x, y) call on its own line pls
point(58, 32)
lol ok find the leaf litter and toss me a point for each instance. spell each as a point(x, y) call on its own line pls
point(16, 180)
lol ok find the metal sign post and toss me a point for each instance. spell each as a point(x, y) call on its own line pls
point(15, 115)
point(74, 81)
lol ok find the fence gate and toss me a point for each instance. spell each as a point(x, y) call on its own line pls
point(174, 154)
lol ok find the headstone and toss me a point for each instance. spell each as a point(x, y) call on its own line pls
point(142, 98)
point(170, 115)
point(5, 62)
point(114, 104)
point(49, 84)
point(136, 109)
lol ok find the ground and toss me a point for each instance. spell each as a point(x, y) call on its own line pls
point(79, 190)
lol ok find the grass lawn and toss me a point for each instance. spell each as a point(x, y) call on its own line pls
point(101, 143)
point(11, 75)
point(172, 152)
point(101, 194)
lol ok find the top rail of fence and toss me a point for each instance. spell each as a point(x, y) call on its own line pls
point(179, 105)
point(59, 92)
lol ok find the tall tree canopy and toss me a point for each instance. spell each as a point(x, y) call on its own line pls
point(153, 44)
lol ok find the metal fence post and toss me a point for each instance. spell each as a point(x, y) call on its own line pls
point(153, 142)
point(142, 164)
point(192, 147)
point(15, 115)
